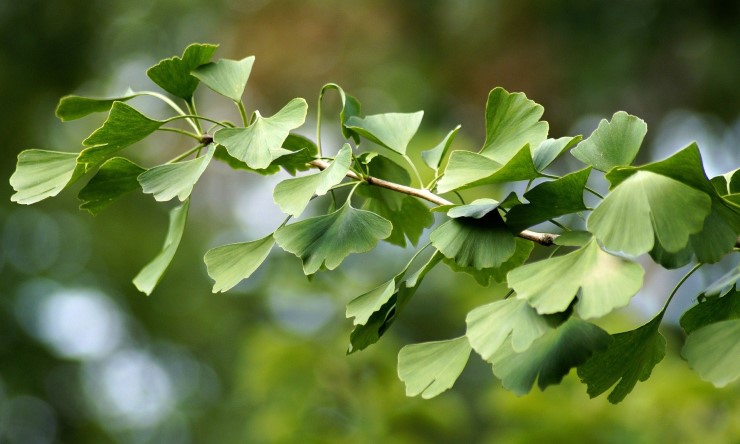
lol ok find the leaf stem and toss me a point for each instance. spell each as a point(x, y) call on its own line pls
point(559, 225)
point(594, 192)
point(193, 116)
point(191, 110)
point(187, 153)
point(459, 196)
point(172, 105)
point(413, 167)
point(678, 285)
point(243, 113)
point(179, 131)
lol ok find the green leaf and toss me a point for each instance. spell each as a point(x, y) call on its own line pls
point(293, 195)
point(260, 143)
point(407, 214)
point(710, 310)
point(175, 179)
point(512, 121)
point(149, 276)
point(613, 143)
point(430, 368)
point(230, 264)
point(304, 151)
point(498, 274)
point(40, 174)
point(477, 243)
point(392, 130)
point(124, 126)
point(226, 77)
point(173, 74)
point(549, 200)
point(381, 320)
point(714, 352)
point(649, 207)
point(476, 209)
point(466, 170)
point(350, 107)
point(573, 239)
point(433, 157)
point(327, 240)
point(550, 357)
point(75, 107)
point(490, 325)
point(628, 359)
point(363, 306)
point(223, 156)
point(549, 150)
point(606, 282)
point(115, 178)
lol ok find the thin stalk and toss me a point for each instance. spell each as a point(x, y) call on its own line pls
point(413, 168)
point(318, 123)
point(509, 294)
point(459, 196)
point(559, 225)
point(345, 184)
point(678, 285)
point(187, 153)
point(192, 116)
point(284, 222)
point(594, 193)
point(172, 105)
point(529, 184)
point(179, 131)
point(191, 110)
point(243, 113)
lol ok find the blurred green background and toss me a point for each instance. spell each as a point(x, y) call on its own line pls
point(84, 358)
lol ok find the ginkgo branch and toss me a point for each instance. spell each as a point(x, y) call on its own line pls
point(546, 239)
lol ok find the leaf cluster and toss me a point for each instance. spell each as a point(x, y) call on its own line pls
point(543, 328)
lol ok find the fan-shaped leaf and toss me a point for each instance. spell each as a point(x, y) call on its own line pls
point(430, 368)
point(226, 77)
point(175, 179)
point(173, 74)
point(115, 178)
point(550, 357)
point(293, 195)
point(498, 274)
point(628, 359)
point(260, 143)
point(124, 126)
point(149, 276)
point(605, 282)
point(710, 310)
point(477, 243)
point(648, 207)
point(350, 107)
point(490, 325)
point(392, 130)
point(40, 174)
point(613, 143)
point(714, 352)
point(327, 240)
point(512, 121)
point(230, 264)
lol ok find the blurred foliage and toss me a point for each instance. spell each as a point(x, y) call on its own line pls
point(84, 358)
